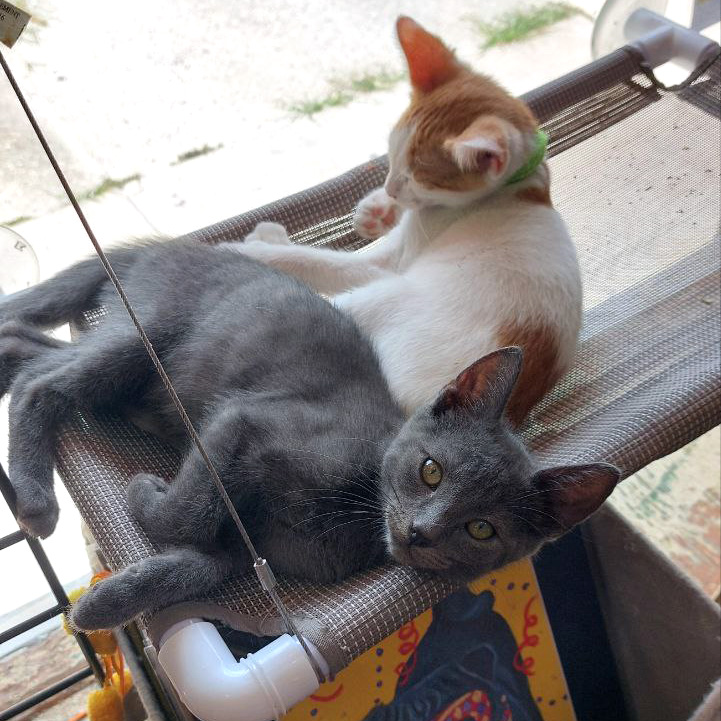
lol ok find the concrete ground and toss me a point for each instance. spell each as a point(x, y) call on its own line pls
point(130, 90)
point(125, 90)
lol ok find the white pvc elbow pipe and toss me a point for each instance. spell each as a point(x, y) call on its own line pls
point(216, 687)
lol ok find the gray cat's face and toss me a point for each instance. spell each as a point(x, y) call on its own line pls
point(461, 494)
point(461, 488)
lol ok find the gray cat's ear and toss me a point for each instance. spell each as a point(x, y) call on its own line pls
point(575, 492)
point(486, 384)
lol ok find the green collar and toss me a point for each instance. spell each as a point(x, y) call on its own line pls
point(533, 162)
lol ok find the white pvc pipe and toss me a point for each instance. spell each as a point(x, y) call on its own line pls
point(216, 687)
point(660, 40)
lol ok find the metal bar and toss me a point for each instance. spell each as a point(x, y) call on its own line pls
point(7, 490)
point(45, 694)
point(11, 539)
point(49, 572)
point(31, 622)
point(55, 586)
point(37, 550)
point(89, 652)
point(141, 681)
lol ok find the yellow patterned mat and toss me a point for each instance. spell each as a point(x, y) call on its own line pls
point(374, 679)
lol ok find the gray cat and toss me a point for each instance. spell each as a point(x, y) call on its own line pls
point(292, 407)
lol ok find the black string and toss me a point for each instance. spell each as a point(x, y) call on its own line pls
point(262, 568)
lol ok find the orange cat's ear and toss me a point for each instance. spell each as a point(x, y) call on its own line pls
point(482, 147)
point(430, 62)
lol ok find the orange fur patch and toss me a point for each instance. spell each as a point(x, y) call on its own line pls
point(535, 195)
point(540, 370)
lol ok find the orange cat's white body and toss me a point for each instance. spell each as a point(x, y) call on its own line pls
point(467, 263)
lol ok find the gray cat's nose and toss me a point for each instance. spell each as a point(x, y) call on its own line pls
point(416, 538)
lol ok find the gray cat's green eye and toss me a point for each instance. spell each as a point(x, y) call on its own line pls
point(431, 472)
point(480, 530)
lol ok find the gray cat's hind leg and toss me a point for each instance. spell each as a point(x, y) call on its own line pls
point(190, 509)
point(20, 343)
point(45, 390)
point(175, 575)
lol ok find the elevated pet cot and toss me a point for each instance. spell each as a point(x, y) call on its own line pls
point(635, 174)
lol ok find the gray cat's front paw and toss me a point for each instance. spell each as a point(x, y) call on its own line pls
point(37, 513)
point(102, 606)
point(144, 492)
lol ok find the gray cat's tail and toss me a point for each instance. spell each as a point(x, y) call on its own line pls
point(63, 297)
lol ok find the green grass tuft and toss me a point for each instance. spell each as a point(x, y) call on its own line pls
point(310, 108)
point(374, 82)
point(107, 185)
point(520, 24)
point(346, 91)
point(196, 153)
point(17, 221)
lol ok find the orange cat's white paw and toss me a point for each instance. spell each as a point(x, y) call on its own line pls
point(272, 233)
point(375, 215)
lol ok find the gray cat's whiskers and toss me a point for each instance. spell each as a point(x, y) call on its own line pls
point(331, 458)
point(368, 484)
point(555, 485)
point(363, 440)
point(523, 519)
point(365, 482)
point(531, 494)
point(376, 487)
point(356, 520)
point(313, 501)
point(393, 488)
point(537, 510)
point(335, 491)
point(310, 519)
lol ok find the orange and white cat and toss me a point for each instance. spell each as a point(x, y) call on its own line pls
point(473, 255)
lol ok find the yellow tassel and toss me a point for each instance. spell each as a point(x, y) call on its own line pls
point(73, 596)
point(103, 642)
point(105, 705)
point(115, 680)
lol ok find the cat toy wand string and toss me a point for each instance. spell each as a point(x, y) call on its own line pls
point(261, 566)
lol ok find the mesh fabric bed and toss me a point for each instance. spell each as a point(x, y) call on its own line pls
point(635, 174)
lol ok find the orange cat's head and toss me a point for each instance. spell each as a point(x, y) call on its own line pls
point(462, 136)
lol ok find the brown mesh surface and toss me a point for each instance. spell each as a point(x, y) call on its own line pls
point(637, 182)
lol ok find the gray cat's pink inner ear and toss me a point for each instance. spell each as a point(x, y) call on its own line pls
point(577, 491)
point(486, 383)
